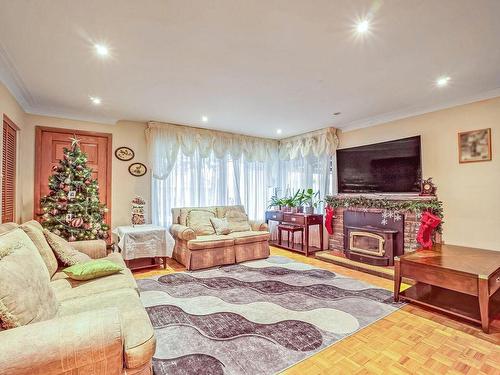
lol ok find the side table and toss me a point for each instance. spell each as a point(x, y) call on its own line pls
point(144, 241)
point(461, 281)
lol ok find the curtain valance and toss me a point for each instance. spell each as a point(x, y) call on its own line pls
point(166, 140)
point(317, 143)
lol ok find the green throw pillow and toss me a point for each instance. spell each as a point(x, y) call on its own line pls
point(92, 269)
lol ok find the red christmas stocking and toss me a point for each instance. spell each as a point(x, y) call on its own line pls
point(428, 222)
point(329, 219)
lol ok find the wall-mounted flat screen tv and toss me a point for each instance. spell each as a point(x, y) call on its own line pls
point(387, 167)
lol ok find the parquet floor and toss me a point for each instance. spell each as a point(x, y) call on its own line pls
point(410, 341)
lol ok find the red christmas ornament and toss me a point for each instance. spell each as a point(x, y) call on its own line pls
point(329, 219)
point(76, 222)
point(428, 223)
point(61, 185)
point(67, 188)
point(55, 168)
point(87, 182)
point(71, 238)
point(54, 211)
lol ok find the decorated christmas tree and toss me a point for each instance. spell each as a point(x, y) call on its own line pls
point(72, 209)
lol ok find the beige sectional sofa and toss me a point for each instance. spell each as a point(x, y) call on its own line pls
point(80, 327)
point(198, 246)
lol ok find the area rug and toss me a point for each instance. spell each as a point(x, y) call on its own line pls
point(257, 317)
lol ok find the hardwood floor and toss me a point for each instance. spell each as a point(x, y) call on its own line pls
point(409, 341)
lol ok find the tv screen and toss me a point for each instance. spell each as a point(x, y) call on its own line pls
point(387, 167)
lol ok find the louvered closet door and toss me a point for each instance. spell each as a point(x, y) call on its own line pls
point(9, 154)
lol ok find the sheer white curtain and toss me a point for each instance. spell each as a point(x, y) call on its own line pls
point(254, 182)
point(196, 181)
point(307, 172)
point(193, 181)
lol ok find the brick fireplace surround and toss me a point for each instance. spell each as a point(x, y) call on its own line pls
point(411, 225)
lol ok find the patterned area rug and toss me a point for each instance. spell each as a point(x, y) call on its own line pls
point(258, 317)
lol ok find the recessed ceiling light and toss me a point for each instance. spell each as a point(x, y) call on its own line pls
point(279, 131)
point(337, 113)
point(204, 118)
point(101, 49)
point(362, 26)
point(442, 81)
point(95, 100)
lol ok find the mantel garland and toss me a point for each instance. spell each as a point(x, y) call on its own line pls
point(434, 206)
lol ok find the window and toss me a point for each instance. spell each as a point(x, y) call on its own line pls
point(9, 154)
point(197, 181)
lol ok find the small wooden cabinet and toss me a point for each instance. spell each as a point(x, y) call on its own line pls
point(300, 219)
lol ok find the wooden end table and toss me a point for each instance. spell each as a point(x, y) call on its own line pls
point(460, 281)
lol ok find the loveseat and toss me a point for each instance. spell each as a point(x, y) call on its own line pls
point(97, 326)
point(197, 245)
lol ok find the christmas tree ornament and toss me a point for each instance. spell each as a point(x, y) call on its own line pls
point(77, 222)
point(71, 238)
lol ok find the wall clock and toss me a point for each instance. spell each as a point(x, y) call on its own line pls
point(124, 153)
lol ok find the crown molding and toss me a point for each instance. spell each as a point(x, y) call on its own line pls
point(416, 111)
point(13, 81)
point(78, 117)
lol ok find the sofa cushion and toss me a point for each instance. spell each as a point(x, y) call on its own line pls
point(25, 293)
point(199, 221)
point(221, 226)
point(249, 236)
point(34, 230)
point(138, 334)
point(114, 257)
point(210, 242)
point(66, 288)
point(92, 269)
point(63, 250)
point(238, 220)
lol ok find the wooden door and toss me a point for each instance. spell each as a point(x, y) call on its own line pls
point(9, 156)
point(50, 143)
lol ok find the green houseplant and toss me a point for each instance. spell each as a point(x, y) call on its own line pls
point(311, 200)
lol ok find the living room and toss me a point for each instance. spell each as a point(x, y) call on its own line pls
point(273, 188)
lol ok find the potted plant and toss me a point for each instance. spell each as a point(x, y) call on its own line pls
point(311, 199)
point(291, 202)
point(300, 200)
point(275, 203)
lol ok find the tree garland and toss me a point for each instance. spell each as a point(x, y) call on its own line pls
point(417, 206)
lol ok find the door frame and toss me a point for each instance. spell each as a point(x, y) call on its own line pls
point(38, 161)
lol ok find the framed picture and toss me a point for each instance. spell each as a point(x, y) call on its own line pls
point(474, 146)
point(137, 169)
point(124, 153)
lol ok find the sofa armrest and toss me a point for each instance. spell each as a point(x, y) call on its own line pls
point(182, 232)
point(85, 343)
point(259, 225)
point(93, 248)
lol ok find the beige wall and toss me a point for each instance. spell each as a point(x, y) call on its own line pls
point(124, 185)
point(470, 192)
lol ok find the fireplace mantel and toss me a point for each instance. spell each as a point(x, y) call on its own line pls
point(390, 197)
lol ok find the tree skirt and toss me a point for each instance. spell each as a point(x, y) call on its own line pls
point(258, 317)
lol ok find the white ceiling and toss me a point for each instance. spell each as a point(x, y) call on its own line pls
point(251, 66)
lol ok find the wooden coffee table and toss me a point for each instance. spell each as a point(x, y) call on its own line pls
point(461, 281)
